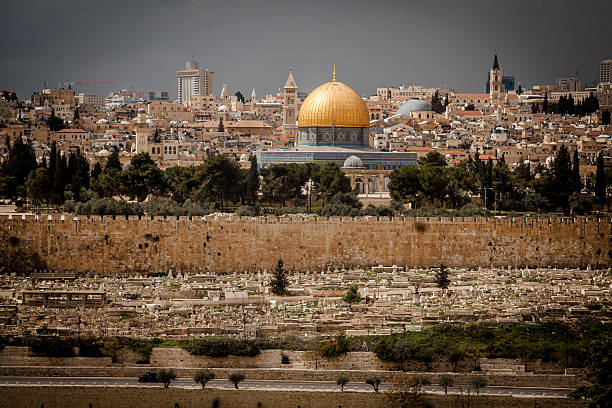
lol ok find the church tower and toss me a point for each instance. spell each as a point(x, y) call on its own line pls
point(495, 80)
point(142, 132)
point(224, 97)
point(290, 108)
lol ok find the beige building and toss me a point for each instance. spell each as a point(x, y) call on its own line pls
point(170, 111)
point(57, 96)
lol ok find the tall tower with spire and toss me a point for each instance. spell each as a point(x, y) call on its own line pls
point(290, 108)
point(495, 79)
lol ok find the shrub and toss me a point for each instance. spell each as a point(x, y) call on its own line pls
point(289, 210)
point(221, 347)
point(216, 402)
point(108, 206)
point(248, 211)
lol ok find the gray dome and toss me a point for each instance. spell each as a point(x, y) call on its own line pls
point(413, 105)
point(352, 162)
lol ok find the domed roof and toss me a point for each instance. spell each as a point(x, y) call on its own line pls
point(333, 104)
point(352, 162)
point(223, 108)
point(413, 105)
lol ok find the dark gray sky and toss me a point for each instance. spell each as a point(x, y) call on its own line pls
point(252, 44)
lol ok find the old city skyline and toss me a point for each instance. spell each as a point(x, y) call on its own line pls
point(435, 44)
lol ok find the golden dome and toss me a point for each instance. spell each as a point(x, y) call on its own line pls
point(333, 104)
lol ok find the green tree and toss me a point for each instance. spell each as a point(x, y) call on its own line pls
point(352, 295)
point(436, 103)
point(166, 376)
point(446, 381)
point(442, 277)
point(108, 183)
point(113, 160)
point(203, 376)
point(342, 381)
point(374, 382)
point(478, 382)
point(78, 171)
point(252, 181)
point(519, 91)
point(54, 123)
point(433, 159)
point(20, 162)
point(455, 356)
point(181, 182)
point(280, 281)
point(142, 178)
point(600, 180)
point(38, 185)
point(60, 179)
point(236, 378)
point(576, 179)
point(332, 181)
point(599, 372)
point(96, 171)
point(404, 184)
point(605, 117)
point(561, 177)
point(216, 179)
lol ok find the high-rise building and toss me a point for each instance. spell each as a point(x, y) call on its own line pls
point(570, 84)
point(193, 81)
point(605, 69)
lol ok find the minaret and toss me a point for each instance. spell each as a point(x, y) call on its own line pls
point(142, 132)
point(253, 96)
point(495, 80)
point(290, 108)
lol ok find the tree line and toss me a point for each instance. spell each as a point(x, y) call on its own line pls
point(557, 187)
point(566, 105)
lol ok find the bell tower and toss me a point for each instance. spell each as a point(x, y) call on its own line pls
point(290, 108)
point(495, 80)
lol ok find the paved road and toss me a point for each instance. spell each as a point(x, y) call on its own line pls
point(272, 385)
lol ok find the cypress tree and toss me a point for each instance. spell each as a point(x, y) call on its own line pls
point(252, 182)
point(97, 169)
point(576, 181)
point(600, 180)
point(52, 162)
point(561, 171)
point(113, 160)
point(59, 181)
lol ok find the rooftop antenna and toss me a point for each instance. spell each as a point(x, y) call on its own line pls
point(334, 73)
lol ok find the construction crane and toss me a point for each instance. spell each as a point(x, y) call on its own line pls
point(70, 84)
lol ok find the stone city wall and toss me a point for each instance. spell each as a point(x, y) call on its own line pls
point(227, 243)
point(27, 396)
